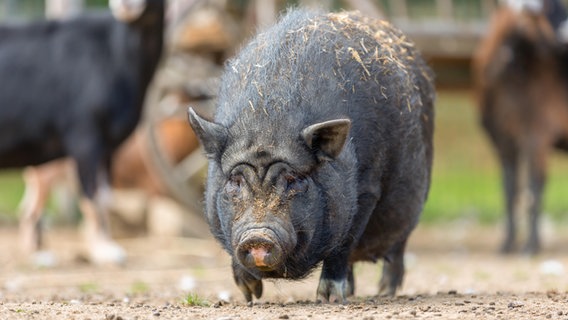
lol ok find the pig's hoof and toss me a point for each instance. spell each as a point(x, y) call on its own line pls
point(249, 287)
point(332, 291)
point(106, 252)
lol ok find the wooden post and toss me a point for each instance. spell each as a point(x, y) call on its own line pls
point(487, 7)
point(7, 8)
point(399, 9)
point(366, 7)
point(323, 4)
point(57, 9)
point(266, 13)
point(445, 9)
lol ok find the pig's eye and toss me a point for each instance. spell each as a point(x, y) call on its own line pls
point(234, 184)
point(296, 183)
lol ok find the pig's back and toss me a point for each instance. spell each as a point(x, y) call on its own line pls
point(317, 67)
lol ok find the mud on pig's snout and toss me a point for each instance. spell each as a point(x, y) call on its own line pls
point(259, 249)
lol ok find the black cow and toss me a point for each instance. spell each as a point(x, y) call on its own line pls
point(76, 88)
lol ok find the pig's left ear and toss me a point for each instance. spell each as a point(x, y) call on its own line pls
point(213, 136)
point(327, 138)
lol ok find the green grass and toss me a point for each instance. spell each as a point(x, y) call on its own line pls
point(88, 287)
point(139, 287)
point(11, 190)
point(466, 178)
point(194, 300)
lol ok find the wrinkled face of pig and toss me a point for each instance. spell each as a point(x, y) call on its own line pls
point(261, 201)
point(269, 204)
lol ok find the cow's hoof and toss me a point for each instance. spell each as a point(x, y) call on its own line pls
point(106, 252)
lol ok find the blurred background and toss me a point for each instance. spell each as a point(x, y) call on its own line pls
point(466, 184)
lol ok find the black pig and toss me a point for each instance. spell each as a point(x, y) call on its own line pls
point(321, 150)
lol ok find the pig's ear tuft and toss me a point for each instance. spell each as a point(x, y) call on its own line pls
point(213, 136)
point(327, 138)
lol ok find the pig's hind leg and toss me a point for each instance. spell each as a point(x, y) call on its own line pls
point(350, 290)
point(393, 270)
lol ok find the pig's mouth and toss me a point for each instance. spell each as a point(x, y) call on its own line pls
point(260, 249)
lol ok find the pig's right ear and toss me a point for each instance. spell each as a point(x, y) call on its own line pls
point(213, 136)
point(327, 138)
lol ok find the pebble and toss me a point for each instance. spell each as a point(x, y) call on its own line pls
point(515, 304)
point(552, 267)
point(187, 283)
point(75, 302)
point(224, 296)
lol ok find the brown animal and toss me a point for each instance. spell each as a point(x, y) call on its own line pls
point(133, 167)
point(523, 103)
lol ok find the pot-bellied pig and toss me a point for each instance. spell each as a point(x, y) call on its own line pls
point(320, 150)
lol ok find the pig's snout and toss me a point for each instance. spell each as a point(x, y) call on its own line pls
point(256, 251)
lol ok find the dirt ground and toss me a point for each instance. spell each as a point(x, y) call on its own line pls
point(453, 272)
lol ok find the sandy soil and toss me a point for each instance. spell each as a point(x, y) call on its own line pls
point(453, 273)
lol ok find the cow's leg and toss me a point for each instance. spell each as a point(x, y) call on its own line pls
point(510, 171)
point(535, 187)
point(31, 209)
point(102, 249)
point(38, 182)
point(94, 178)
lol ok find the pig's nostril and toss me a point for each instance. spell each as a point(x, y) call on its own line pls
point(260, 254)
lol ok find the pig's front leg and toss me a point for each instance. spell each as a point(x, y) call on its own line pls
point(333, 280)
point(336, 281)
point(247, 283)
